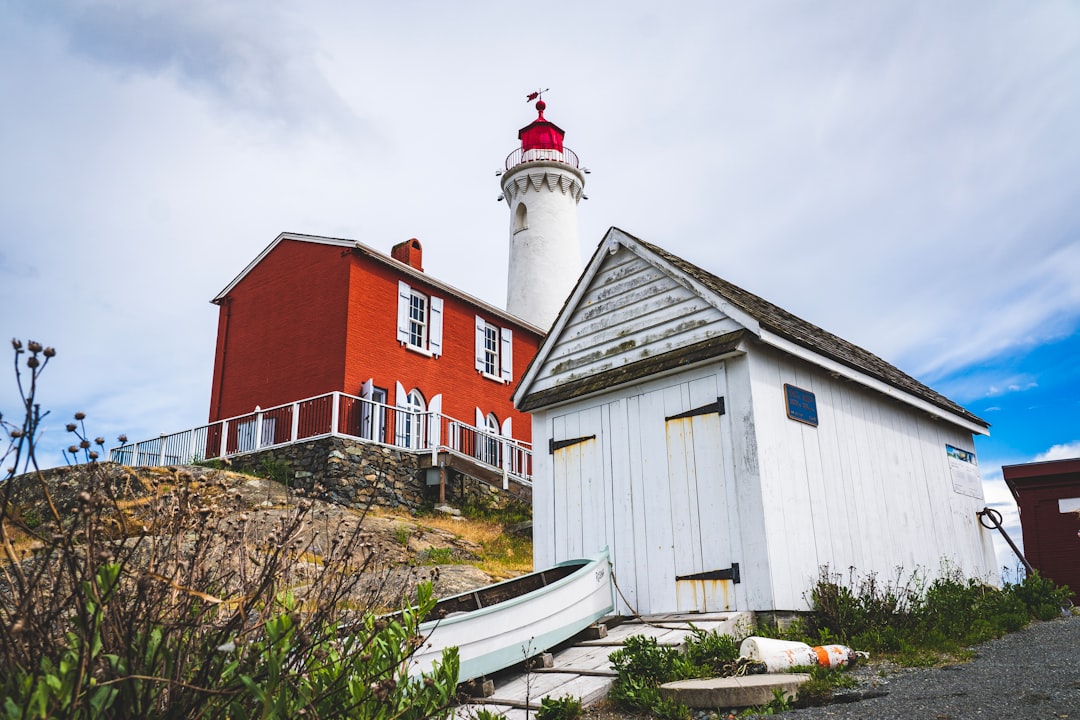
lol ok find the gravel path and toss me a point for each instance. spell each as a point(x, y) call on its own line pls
point(1034, 673)
point(1028, 675)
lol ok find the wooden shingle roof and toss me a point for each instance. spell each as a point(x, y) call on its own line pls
point(810, 336)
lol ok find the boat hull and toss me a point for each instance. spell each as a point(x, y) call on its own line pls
point(508, 632)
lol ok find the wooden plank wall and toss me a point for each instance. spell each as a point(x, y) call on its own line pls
point(869, 488)
point(631, 311)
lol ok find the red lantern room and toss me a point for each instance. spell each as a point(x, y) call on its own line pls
point(542, 140)
point(541, 134)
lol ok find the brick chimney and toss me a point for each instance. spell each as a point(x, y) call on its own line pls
point(410, 253)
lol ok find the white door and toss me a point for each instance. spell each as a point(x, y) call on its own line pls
point(645, 476)
point(678, 489)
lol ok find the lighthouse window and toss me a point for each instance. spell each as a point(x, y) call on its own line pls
point(419, 320)
point(521, 218)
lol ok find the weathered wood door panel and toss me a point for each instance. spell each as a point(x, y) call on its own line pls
point(580, 499)
point(701, 536)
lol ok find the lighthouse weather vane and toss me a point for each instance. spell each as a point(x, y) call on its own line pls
point(534, 95)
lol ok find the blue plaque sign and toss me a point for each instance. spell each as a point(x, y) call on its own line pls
point(801, 405)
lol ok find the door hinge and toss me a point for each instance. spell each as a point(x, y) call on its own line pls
point(716, 407)
point(731, 573)
point(554, 445)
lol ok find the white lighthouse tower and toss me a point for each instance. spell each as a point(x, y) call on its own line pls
point(543, 184)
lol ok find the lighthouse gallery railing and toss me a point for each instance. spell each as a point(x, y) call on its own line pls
point(519, 156)
point(334, 414)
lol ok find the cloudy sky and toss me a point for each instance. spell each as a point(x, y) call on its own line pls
point(903, 174)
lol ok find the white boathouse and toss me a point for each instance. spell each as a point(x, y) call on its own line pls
point(725, 450)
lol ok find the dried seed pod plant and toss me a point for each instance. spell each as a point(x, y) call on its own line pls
point(128, 597)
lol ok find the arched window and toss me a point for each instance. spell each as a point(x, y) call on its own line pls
point(489, 447)
point(411, 420)
point(521, 217)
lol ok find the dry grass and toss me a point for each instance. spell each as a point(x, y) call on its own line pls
point(505, 555)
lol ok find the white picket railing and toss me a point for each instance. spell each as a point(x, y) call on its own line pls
point(334, 414)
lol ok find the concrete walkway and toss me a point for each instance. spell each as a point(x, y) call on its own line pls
point(581, 668)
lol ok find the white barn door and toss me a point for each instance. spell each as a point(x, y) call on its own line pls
point(644, 475)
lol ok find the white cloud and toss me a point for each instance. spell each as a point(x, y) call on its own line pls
point(901, 174)
point(1065, 451)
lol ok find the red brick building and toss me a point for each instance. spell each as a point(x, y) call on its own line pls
point(313, 315)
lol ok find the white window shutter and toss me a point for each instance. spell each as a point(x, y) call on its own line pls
point(435, 421)
point(479, 344)
point(404, 298)
point(402, 423)
point(506, 354)
point(435, 327)
point(480, 419)
point(508, 427)
point(367, 417)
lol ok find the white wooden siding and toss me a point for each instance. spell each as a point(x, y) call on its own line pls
point(869, 488)
point(630, 311)
point(746, 510)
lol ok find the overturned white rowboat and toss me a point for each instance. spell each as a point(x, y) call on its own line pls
point(501, 625)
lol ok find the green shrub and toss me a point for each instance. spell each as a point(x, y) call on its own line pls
point(779, 704)
point(565, 708)
point(1042, 598)
point(822, 685)
point(641, 666)
point(918, 622)
point(709, 652)
point(643, 657)
point(437, 556)
point(274, 469)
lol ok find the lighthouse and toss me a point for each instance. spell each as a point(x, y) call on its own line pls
point(542, 185)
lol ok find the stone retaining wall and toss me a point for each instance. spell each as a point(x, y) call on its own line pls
point(345, 472)
point(358, 475)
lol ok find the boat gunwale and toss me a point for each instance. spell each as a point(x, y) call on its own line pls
point(585, 563)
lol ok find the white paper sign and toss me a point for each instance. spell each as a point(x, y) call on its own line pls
point(965, 472)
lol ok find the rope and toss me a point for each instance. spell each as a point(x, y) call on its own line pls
point(633, 611)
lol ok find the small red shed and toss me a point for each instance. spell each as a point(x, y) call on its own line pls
point(1048, 495)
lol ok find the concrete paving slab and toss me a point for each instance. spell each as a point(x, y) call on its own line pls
point(733, 692)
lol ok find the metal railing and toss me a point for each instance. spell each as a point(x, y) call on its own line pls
point(334, 414)
point(521, 155)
